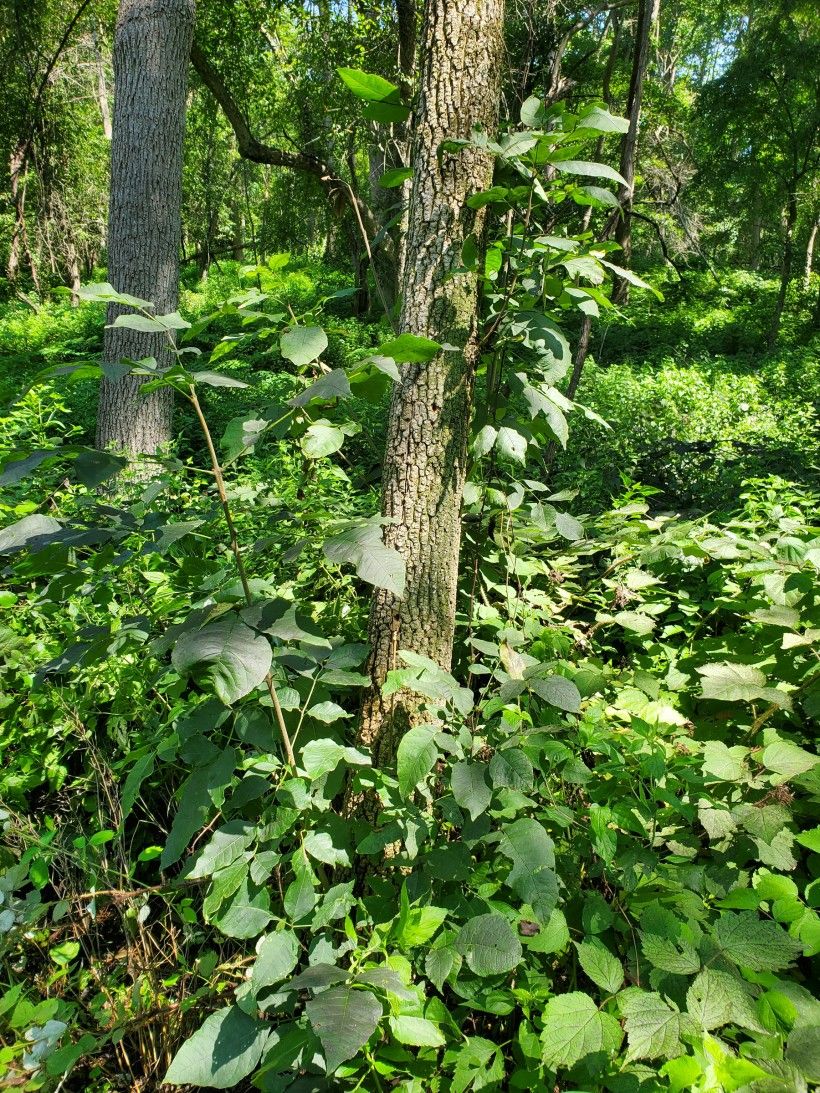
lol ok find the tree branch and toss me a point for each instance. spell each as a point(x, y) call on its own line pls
point(254, 150)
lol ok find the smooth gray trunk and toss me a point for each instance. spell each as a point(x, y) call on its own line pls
point(151, 49)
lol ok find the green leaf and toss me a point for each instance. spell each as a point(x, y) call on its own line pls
point(439, 962)
point(320, 757)
point(319, 844)
point(397, 176)
point(718, 998)
point(277, 954)
point(223, 848)
point(558, 691)
point(158, 324)
point(360, 544)
point(386, 112)
point(653, 1028)
point(236, 657)
point(331, 385)
point(532, 853)
point(568, 527)
point(242, 434)
point(511, 769)
point(635, 621)
point(416, 757)
point(470, 789)
point(196, 797)
point(369, 86)
point(628, 275)
point(327, 712)
point(419, 925)
point(409, 349)
point(803, 1050)
point(602, 121)
point(810, 839)
point(489, 945)
point(574, 1028)
point(724, 763)
point(344, 1019)
point(732, 682)
point(29, 531)
point(321, 439)
point(222, 1053)
point(303, 344)
point(512, 444)
point(94, 467)
point(787, 759)
point(590, 170)
point(216, 379)
point(416, 1031)
point(106, 293)
point(600, 965)
point(755, 943)
point(679, 958)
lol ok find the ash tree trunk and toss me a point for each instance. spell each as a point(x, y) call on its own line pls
point(152, 44)
point(425, 455)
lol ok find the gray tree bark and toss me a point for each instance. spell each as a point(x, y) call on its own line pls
point(425, 455)
point(152, 45)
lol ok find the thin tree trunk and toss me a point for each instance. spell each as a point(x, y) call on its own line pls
point(102, 87)
point(647, 15)
point(20, 246)
point(786, 268)
point(810, 255)
point(151, 48)
point(425, 456)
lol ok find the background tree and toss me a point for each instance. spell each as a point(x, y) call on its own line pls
point(151, 51)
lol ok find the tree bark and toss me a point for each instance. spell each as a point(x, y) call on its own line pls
point(786, 267)
point(810, 254)
point(151, 49)
point(425, 455)
point(647, 14)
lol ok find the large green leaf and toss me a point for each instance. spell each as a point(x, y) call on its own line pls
point(198, 797)
point(303, 344)
point(590, 170)
point(600, 965)
point(574, 1028)
point(409, 349)
point(359, 543)
point(344, 1019)
point(470, 788)
point(223, 1052)
point(277, 954)
point(236, 658)
point(417, 754)
point(489, 945)
point(732, 682)
point(653, 1028)
point(532, 853)
point(369, 86)
point(29, 531)
point(755, 943)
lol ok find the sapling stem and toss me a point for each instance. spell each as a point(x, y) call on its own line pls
point(236, 550)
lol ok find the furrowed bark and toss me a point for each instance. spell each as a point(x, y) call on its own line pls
point(425, 455)
point(151, 49)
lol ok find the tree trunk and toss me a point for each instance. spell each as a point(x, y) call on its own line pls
point(810, 255)
point(151, 48)
point(786, 268)
point(425, 455)
point(647, 15)
point(102, 86)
